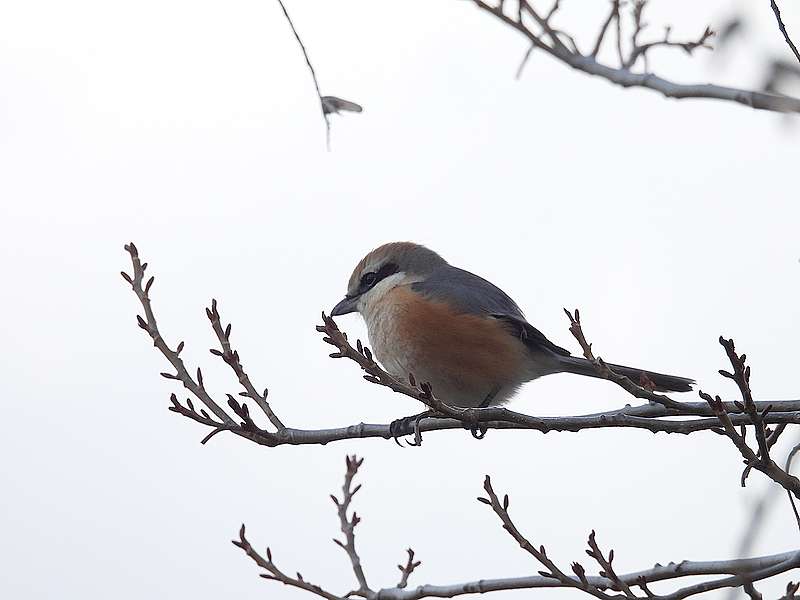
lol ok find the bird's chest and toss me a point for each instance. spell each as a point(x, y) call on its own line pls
point(389, 339)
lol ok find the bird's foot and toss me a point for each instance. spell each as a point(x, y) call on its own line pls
point(478, 430)
point(408, 426)
point(471, 422)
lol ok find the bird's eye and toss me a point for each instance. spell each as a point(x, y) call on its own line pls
point(369, 279)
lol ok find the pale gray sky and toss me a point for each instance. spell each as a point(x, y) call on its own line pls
point(193, 129)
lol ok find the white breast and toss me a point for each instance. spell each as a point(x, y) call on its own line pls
point(380, 314)
point(383, 338)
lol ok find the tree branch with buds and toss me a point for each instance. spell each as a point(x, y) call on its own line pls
point(606, 585)
point(659, 414)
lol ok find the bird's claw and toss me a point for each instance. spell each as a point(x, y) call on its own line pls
point(406, 426)
point(478, 430)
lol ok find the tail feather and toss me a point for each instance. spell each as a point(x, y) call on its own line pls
point(663, 383)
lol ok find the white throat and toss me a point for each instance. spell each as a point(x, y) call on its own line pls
point(369, 301)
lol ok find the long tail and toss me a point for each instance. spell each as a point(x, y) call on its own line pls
point(663, 383)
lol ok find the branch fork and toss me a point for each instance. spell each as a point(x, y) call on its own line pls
point(542, 35)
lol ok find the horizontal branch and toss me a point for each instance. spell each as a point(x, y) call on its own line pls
point(685, 568)
point(624, 75)
point(670, 89)
point(660, 415)
point(502, 418)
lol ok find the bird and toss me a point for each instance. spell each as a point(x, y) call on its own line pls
point(456, 331)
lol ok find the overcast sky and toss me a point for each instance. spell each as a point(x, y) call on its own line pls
point(193, 129)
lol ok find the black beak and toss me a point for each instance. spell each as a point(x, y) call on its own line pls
point(346, 306)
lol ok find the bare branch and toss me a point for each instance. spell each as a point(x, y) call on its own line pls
point(231, 358)
point(791, 591)
point(348, 524)
point(752, 592)
point(758, 513)
point(754, 459)
point(612, 15)
point(274, 573)
point(666, 416)
point(148, 323)
point(787, 468)
point(328, 104)
point(524, 61)
point(740, 572)
point(623, 76)
point(605, 371)
point(407, 569)
point(746, 572)
point(313, 76)
point(782, 27)
point(640, 51)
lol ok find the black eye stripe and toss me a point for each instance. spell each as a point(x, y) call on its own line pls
point(371, 279)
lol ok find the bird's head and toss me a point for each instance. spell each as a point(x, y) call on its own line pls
point(390, 265)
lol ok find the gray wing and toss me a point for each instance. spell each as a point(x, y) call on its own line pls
point(471, 294)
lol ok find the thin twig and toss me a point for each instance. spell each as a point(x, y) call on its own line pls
point(524, 61)
point(792, 453)
point(148, 323)
point(407, 569)
point(755, 571)
point(274, 573)
point(231, 358)
point(348, 524)
point(313, 76)
point(612, 14)
point(782, 27)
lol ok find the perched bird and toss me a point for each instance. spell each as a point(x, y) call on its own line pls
point(457, 331)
